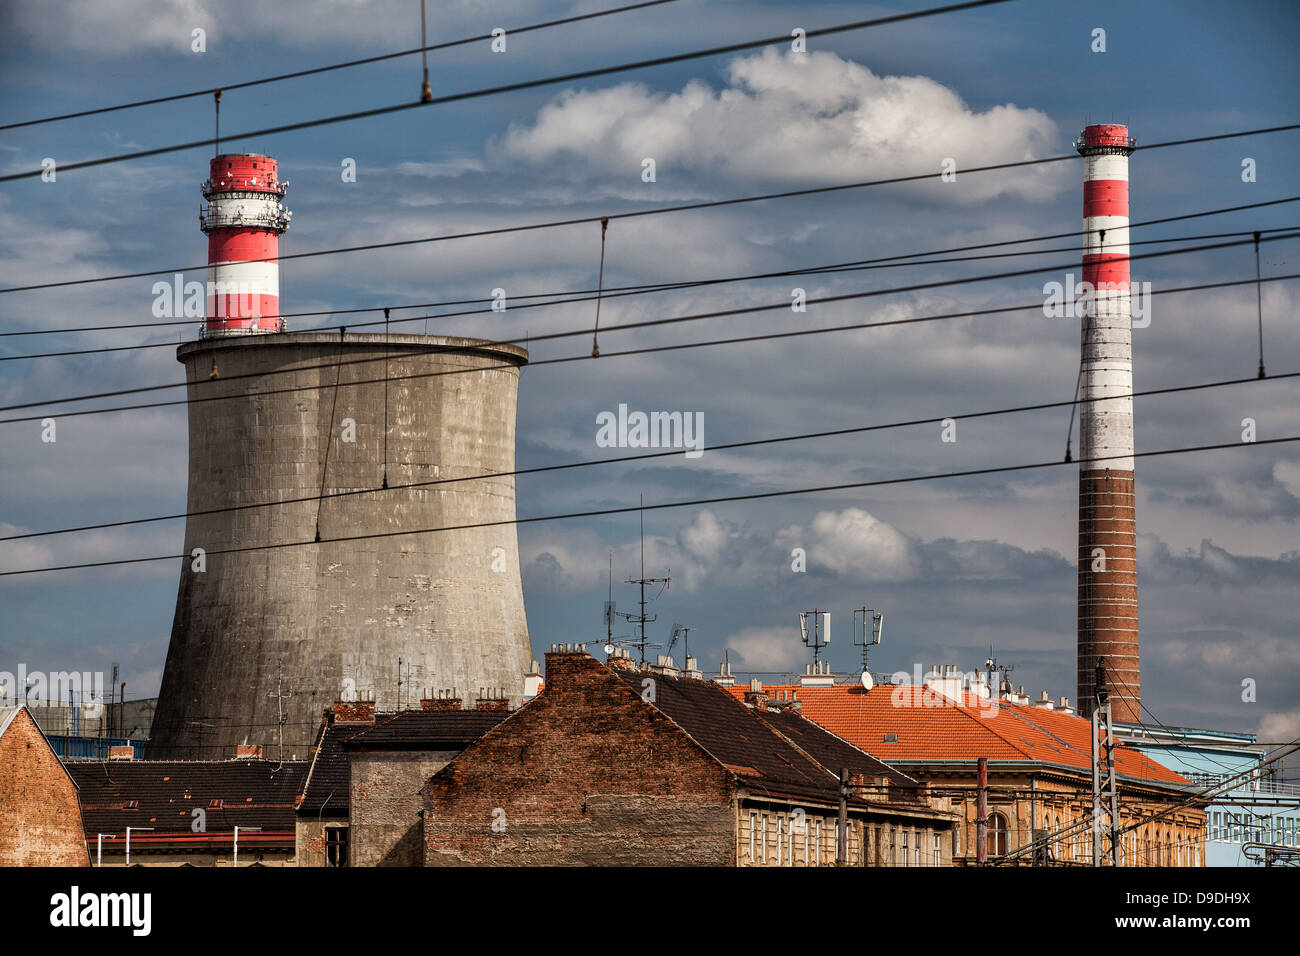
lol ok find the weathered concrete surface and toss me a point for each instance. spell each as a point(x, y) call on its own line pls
point(333, 618)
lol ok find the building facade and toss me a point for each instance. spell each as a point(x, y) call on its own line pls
point(614, 765)
point(40, 814)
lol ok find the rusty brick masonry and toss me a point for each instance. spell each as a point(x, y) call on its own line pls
point(1108, 600)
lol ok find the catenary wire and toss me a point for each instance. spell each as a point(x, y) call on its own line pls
point(584, 295)
point(704, 204)
point(525, 85)
point(721, 499)
point(347, 64)
point(650, 323)
point(646, 350)
point(882, 259)
point(622, 459)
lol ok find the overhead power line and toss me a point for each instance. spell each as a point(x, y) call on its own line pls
point(645, 350)
point(347, 64)
point(669, 453)
point(660, 210)
point(524, 85)
point(883, 259)
point(722, 499)
point(579, 296)
point(649, 323)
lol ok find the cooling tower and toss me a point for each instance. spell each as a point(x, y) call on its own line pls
point(292, 606)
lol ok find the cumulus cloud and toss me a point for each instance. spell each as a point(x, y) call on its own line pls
point(765, 649)
point(791, 117)
point(855, 542)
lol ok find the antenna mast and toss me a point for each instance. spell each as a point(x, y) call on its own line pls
point(641, 619)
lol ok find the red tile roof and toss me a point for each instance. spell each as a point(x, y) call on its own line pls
point(905, 723)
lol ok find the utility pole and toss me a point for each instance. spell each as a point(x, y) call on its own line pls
point(1105, 790)
point(842, 825)
point(279, 706)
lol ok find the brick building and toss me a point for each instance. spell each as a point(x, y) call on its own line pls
point(40, 815)
point(361, 803)
point(1039, 778)
point(186, 811)
point(612, 765)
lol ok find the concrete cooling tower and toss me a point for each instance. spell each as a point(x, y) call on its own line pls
point(266, 636)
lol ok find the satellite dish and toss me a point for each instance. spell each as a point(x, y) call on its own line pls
point(609, 648)
point(867, 682)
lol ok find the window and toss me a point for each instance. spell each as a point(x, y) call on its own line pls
point(763, 842)
point(938, 851)
point(778, 840)
point(753, 836)
point(917, 851)
point(904, 848)
point(336, 846)
point(997, 836)
point(893, 858)
point(817, 842)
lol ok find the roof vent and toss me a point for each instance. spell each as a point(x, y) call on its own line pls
point(890, 739)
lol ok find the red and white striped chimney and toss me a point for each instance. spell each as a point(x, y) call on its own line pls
point(1108, 594)
point(243, 221)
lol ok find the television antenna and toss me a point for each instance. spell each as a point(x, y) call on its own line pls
point(642, 619)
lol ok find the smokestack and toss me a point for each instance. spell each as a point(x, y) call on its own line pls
point(243, 221)
point(1108, 599)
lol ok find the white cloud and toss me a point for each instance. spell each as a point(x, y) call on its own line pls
point(1287, 474)
point(1280, 725)
point(766, 649)
point(794, 118)
point(855, 542)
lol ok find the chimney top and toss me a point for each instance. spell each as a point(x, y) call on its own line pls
point(248, 751)
point(492, 698)
point(817, 674)
point(360, 711)
point(724, 677)
point(446, 699)
point(620, 659)
point(121, 752)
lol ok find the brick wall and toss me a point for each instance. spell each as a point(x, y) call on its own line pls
point(40, 816)
point(585, 774)
point(385, 826)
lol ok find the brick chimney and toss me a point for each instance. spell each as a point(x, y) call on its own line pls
point(755, 695)
point(360, 711)
point(121, 752)
point(491, 698)
point(621, 659)
point(248, 751)
point(443, 700)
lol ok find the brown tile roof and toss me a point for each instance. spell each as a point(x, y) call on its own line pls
point(915, 724)
point(326, 790)
point(426, 730)
point(759, 748)
point(252, 793)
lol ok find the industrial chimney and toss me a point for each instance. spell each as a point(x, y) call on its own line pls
point(349, 440)
point(243, 220)
point(1108, 594)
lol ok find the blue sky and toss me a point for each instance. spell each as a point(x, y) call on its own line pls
point(956, 565)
